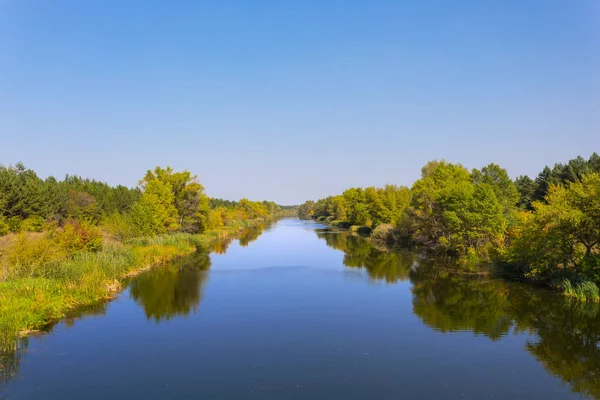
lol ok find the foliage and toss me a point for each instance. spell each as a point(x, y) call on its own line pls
point(155, 213)
point(561, 174)
point(190, 203)
point(76, 236)
point(26, 197)
point(562, 232)
point(459, 211)
point(4, 226)
point(28, 256)
point(118, 225)
point(362, 207)
point(387, 233)
point(50, 274)
point(33, 224)
point(545, 227)
point(583, 290)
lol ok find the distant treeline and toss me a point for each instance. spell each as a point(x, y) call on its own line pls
point(546, 228)
point(164, 201)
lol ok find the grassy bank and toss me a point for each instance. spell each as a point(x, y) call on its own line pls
point(43, 284)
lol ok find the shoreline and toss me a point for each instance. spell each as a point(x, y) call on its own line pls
point(32, 306)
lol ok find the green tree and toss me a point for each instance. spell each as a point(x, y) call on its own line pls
point(563, 231)
point(155, 212)
point(504, 188)
point(356, 211)
point(191, 204)
point(437, 177)
point(526, 188)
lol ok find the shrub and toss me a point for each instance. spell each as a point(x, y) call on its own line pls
point(4, 227)
point(386, 233)
point(33, 224)
point(79, 236)
point(28, 255)
point(361, 230)
point(14, 224)
point(118, 225)
point(341, 224)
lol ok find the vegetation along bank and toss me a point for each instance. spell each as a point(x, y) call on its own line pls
point(70, 243)
point(545, 229)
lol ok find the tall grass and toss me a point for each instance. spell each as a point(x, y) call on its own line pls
point(42, 279)
point(583, 290)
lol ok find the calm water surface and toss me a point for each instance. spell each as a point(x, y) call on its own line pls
point(300, 311)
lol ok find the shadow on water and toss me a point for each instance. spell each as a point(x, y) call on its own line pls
point(564, 334)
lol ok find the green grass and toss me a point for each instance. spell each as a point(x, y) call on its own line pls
point(36, 294)
point(583, 290)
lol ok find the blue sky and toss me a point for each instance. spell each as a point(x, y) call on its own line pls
point(289, 101)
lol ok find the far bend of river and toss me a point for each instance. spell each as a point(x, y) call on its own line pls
point(299, 311)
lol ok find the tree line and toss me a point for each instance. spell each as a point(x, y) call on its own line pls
point(545, 228)
point(164, 201)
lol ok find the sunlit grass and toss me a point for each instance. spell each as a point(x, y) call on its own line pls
point(41, 288)
point(583, 290)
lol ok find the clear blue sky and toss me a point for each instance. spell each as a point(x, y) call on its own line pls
point(293, 100)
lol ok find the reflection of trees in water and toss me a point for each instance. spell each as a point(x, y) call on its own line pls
point(11, 358)
point(566, 333)
point(171, 290)
point(176, 289)
point(250, 234)
point(448, 301)
point(163, 292)
point(245, 237)
point(446, 297)
point(13, 350)
point(381, 264)
point(220, 246)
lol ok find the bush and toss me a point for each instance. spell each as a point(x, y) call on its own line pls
point(361, 230)
point(118, 225)
point(341, 224)
point(28, 255)
point(14, 224)
point(33, 224)
point(79, 236)
point(386, 233)
point(4, 227)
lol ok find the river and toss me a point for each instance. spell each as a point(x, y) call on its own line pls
point(299, 311)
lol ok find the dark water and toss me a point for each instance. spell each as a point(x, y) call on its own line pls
point(302, 312)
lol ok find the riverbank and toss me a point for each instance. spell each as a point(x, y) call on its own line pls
point(386, 237)
point(35, 302)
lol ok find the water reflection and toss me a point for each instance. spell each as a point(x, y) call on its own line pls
point(163, 293)
point(447, 299)
point(567, 333)
point(380, 263)
point(13, 350)
point(564, 333)
point(172, 290)
point(220, 246)
point(10, 360)
point(177, 289)
point(249, 235)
